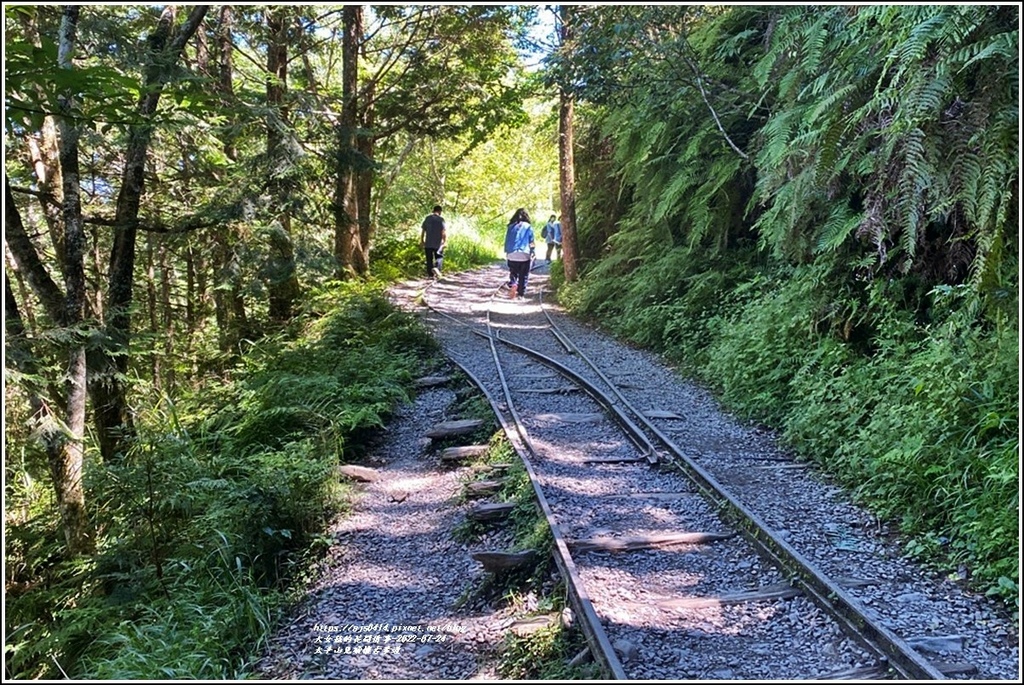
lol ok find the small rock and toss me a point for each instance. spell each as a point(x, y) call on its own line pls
point(627, 650)
point(911, 597)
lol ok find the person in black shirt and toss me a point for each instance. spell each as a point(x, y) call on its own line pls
point(433, 235)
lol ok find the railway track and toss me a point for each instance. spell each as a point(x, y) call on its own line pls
point(674, 569)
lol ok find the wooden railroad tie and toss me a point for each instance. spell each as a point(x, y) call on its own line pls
point(777, 591)
point(431, 381)
point(589, 417)
point(496, 467)
point(565, 390)
point(528, 626)
point(362, 474)
point(490, 511)
point(449, 429)
point(633, 544)
point(851, 582)
point(948, 668)
point(613, 460)
point(661, 414)
point(483, 488)
point(881, 671)
point(940, 645)
point(457, 454)
point(876, 672)
point(498, 562)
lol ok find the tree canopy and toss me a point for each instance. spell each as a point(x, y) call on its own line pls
point(815, 209)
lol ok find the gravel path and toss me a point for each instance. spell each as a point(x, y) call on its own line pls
point(390, 584)
point(397, 572)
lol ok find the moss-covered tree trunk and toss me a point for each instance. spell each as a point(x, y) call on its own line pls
point(282, 279)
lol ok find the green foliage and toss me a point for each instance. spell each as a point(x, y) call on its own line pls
point(482, 183)
point(668, 304)
point(898, 141)
point(468, 246)
point(206, 519)
point(923, 428)
point(871, 159)
point(544, 655)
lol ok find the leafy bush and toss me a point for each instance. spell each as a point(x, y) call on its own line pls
point(545, 655)
point(469, 246)
point(206, 519)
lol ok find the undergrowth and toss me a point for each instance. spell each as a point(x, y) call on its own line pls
point(216, 508)
point(918, 419)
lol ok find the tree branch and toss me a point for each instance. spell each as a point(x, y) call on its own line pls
point(704, 95)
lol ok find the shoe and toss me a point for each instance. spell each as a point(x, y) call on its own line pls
point(437, 273)
point(512, 291)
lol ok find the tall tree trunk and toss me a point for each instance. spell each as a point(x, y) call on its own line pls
point(347, 243)
point(30, 266)
point(229, 306)
point(282, 281)
point(364, 184)
point(45, 158)
point(20, 356)
point(96, 266)
point(232, 320)
point(566, 160)
point(197, 297)
point(225, 69)
point(169, 319)
point(29, 316)
point(151, 306)
point(64, 409)
point(66, 465)
point(114, 425)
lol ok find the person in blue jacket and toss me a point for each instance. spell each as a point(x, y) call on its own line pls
point(552, 233)
point(520, 251)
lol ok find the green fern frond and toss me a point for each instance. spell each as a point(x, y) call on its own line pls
point(828, 104)
point(1003, 45)
point(841, 224)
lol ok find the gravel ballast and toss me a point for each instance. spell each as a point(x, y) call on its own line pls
point(396, 570)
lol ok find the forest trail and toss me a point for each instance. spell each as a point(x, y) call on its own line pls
point(394, 572)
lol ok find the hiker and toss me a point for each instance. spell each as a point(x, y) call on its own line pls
point(433, 235)
point(552, 233)
point(520, 251)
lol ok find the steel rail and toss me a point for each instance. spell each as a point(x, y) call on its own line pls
point(597, 639)
point(888, 648)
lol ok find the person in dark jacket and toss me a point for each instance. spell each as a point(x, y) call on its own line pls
point(433, 235)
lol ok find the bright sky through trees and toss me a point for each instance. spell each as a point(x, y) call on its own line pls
point(542, 37)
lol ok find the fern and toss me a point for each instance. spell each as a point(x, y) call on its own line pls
point(1003, 45)
point(841, 223)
